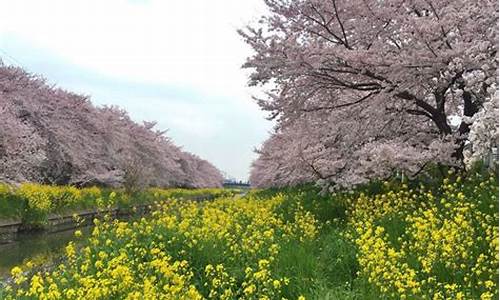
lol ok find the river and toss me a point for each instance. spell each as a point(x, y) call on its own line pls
point(35, 246)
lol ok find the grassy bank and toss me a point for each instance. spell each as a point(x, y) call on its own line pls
point(386, 240)
point(33, 203)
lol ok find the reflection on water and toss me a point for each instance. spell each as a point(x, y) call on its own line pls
point(30, 245)
point(42, 245)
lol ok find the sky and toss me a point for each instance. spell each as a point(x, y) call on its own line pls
point(174, 62)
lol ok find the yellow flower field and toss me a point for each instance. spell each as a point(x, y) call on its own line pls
point(418, 244)
point(382, 241)
point(224, 249)
point(33, 203)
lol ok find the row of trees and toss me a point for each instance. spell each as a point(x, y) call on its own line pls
point(53, 136)
point(362, 88)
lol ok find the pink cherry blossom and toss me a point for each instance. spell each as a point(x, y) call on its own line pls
point(50, 135)
point(362, 88)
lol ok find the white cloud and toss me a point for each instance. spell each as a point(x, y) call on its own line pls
point(181, 42)
point(189, 44)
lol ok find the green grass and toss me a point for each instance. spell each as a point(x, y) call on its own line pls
point(34, 203)
point(327, 267)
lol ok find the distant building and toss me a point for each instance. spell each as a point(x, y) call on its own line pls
point(235, 183)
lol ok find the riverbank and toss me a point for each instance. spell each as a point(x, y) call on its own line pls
point(386, 240)
point(18, 244)
point(11, 228)
point(34, 206)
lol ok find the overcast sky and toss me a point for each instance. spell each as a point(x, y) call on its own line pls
point(176, 62)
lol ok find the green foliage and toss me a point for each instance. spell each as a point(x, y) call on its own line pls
point(328, 268)
point(354, 244)
point(34, 203)
point(10, 206)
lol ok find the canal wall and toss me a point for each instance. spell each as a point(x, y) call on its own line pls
point(10, 229)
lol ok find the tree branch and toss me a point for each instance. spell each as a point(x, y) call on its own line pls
point(341, 105)
point(340, 23)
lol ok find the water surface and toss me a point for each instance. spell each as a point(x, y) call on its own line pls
point(35, 246)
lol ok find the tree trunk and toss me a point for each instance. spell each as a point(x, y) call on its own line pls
point(470, 109)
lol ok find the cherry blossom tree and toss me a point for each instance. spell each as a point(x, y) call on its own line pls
point(280, 162)
point(50, 135)
point(377, 83)
point(483, 135)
